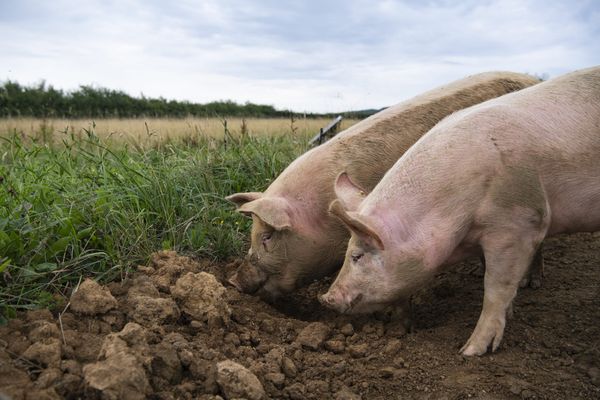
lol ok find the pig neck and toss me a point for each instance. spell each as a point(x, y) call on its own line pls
point(413, 233)
point(416, 207)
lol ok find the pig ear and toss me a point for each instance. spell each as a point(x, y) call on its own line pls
point(273, 211)
point(355, 225)
point(242, 198)
point(349, 193)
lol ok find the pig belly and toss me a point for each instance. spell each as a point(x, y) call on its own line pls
point(575, 205)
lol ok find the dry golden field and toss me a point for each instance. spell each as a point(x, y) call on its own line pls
point(153, 130)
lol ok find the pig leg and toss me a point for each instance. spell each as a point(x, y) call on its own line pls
point(534, 276)
point(508, 257)
point(533, 279)
point(403, 315)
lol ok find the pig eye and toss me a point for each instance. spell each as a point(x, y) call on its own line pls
point(356, 257)
point(266, 237)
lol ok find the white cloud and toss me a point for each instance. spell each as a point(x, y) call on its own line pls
point(313, 56)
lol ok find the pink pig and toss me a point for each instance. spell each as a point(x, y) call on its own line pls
point(294, 239)
point(494, 179)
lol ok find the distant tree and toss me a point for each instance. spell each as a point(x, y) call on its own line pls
point(42, 100)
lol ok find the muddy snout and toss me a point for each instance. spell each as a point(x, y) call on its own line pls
point(248, 278)
point(329, 300)
point(340, 300)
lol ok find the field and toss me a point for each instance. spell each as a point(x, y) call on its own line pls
point(158, 131)
point(143, 213)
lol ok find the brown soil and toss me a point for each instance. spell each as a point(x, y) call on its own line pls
point(173, 331)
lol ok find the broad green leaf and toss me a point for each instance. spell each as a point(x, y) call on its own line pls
point(4, 238)
point(59, 246)
point(45, 267)
point(4, 264)
point(84, 233)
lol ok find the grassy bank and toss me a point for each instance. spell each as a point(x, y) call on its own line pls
point(90, 207)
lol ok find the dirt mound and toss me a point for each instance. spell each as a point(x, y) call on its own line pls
point(174, 331)
point(91, 298)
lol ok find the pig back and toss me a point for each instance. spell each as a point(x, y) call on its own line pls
point(550, 131)
point(369, 148)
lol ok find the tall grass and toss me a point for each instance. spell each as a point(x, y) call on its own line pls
point(88, 207)
point(154, 131)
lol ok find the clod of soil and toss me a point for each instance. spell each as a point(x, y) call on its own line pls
point(288, 367)
point(237, 382)
point(147, 307)
point(118, 377)
point(166, 266)
point(47, 352)
point(159, 343)
point(91, 298)
point(201, 297)
point(346, 394)
point(13, 380)
point(43, 330)
point(120, 373)
point(313, 335)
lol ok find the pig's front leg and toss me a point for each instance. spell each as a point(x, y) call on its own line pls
point(508, 257)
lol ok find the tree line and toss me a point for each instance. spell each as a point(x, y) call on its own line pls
point(44, 101)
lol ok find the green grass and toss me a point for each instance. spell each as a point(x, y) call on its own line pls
point(93, 208)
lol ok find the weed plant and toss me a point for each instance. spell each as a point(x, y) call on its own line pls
point(84, 206)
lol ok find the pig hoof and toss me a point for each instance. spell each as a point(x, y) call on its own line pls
point(483, 337)
point(472, 348)
point(524, 283)
point(530, 281)
point(535, 283)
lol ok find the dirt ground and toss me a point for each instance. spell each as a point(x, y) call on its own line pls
point(173, 331)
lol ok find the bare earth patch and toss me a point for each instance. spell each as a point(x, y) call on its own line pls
point(175, 330)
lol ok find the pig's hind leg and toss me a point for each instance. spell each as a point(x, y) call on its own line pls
point(535, 274)
point(509, 247)
point(507, 262)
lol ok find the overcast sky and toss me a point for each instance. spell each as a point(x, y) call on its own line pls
point(320, 56)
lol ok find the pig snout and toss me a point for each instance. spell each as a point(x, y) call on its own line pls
point(340, 300)
point(235, 282)
point(248, 278)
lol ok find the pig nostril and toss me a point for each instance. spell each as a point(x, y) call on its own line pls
point(234, 282)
